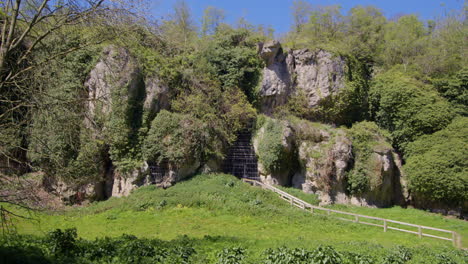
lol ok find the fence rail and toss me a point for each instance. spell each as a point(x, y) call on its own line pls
point(357, 218)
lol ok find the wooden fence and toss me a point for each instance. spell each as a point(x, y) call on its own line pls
point(386, 224)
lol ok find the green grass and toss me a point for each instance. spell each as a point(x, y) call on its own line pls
point(219, 211)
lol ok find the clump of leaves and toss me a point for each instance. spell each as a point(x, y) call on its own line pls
point(234, 255)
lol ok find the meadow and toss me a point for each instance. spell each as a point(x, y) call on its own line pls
point(218, 211)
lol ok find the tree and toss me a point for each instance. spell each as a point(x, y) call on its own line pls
point(365, 32)
point(300, 13)
point(25, 27)
point(33, 21)
point(325, 25)
point(212, 18)
point(404, 41)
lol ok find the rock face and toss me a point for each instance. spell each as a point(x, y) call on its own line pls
point(157, 96)
point(316, 74)
point(325, 156)
point(118, 76)
point(324, 161)
point(74, 194)
point(387, 186)
point(116, 68)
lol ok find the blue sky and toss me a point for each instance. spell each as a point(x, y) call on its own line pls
point(277, 12)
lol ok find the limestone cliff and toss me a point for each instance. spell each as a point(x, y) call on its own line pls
point(316, 74)
point(322, 159)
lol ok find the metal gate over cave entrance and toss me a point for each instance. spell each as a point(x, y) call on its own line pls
point(241, 160)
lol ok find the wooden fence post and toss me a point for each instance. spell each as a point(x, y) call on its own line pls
point(328, 212)
point(356, 219)
point(385, 225)
point(419, 231)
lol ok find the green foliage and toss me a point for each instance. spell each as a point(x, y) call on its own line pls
point(176, 138)
point(62, 242)
point(366, 138)
point(366, 28)
point(58, 139)
point(233, 255)
point(407, 107)
point(404, 40)
point(455, 89)
point(63, 246)
point(399, 255)
point(206, 122)
point(321, 255)
point(271, 152)
point(123, 125)
point(232, 59)
point(436, 165)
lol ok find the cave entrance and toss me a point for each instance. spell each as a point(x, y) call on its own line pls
point(241, 160)
point(157, 171)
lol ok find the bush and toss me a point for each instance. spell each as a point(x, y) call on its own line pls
point(233, 60)
point(321, 255)
point(271, 152)
point(233, 255)
point(407, 107)
point(436, 165)
point(399, 255)
point(176, 138)
point(62, 242)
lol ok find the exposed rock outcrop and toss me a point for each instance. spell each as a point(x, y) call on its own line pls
point(116, 68)
point(316, 74)
point(325, 157)
point(386, 186)
point(157, 96)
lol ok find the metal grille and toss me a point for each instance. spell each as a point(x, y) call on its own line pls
point(241, 160)
point(157, 172)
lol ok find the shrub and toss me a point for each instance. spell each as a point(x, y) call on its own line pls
point(234, 255)
point(407, 107)
point(436, 165)
point(326, 255)
point(399, 255)
point(176, 138)
point(321, 255)
point(271, 152)
point(62, 242)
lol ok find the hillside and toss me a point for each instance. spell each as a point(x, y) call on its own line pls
point(218, 211)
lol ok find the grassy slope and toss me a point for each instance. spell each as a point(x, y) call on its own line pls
point(223, 211)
